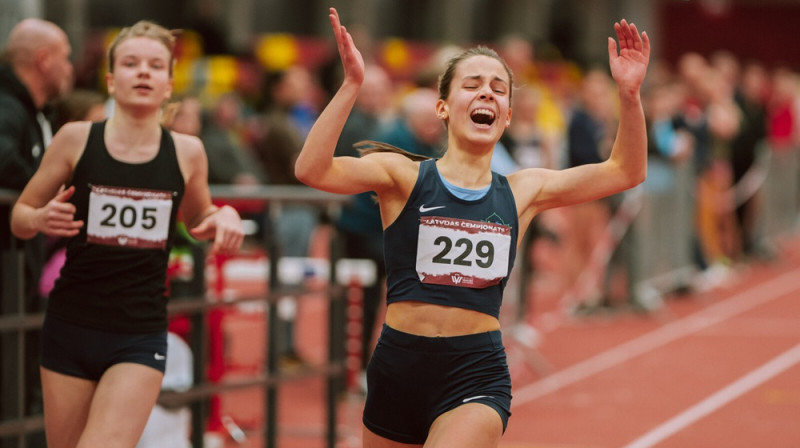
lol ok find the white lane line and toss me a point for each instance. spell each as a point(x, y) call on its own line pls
point(739, 303)
point(724, 396)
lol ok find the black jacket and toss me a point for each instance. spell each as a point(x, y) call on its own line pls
point(21, 141)
point(21, 149)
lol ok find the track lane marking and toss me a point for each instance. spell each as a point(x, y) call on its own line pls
point(718, 312)
point(736, 389)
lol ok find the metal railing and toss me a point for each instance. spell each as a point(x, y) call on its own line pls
point(16, 424)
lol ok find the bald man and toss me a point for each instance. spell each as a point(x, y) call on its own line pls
point(418, 129)
point(34, 70)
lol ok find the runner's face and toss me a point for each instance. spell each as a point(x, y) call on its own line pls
point(477, 107)
point(141, 75)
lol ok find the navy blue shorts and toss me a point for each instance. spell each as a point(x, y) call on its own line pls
point(412, 380)
point(87, 353)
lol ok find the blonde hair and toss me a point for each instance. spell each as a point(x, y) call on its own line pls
point(144, 28)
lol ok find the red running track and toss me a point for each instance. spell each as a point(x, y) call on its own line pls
point(719, 369)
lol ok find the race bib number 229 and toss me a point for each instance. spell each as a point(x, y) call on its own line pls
point(462, 252)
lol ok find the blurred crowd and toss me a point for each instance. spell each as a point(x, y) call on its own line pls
point(727, 122)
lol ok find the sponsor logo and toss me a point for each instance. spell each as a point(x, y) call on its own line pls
point(467, 400)
point(496, 219)
point(423, 209)
point(159, 356)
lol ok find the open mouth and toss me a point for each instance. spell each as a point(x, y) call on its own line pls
point(483, 117)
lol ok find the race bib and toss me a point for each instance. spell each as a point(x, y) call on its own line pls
point(129, 217)
point(461, 252)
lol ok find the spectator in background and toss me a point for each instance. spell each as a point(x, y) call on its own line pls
point(287, 115)
point(35, 70)
point(668, 145)
point(428, 75)
point(782, 128)
point(749, 96)
point(229, 160)
point(359, 222)
point(527, 143)
point(593, 124)
point(783, 138)
point(417, 130)
point(712, 117)
point(185, 116)
point(520, 54)
point(79, 105)
point(591, 132)
point(668, 222)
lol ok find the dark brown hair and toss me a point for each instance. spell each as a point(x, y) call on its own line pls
point(365, 147)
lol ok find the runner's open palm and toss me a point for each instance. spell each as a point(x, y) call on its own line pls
point(630, 65)
point(352, 61)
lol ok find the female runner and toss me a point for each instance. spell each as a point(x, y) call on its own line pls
point(438, 375)
point(104, 339)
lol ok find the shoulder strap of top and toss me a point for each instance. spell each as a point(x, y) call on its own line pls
point(96, 133)
point(426, 167)
point(167, 149)
point(95, 143)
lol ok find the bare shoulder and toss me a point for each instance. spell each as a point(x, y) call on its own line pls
point(75, 129)
point(394, 163)
point(191, 155)
point(528, 178)
point(187, 146)
point(70, 141)
point(527, 185)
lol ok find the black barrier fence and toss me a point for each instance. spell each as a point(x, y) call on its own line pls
point(20, 427)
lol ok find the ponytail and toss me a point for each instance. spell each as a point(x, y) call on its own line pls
point(365, 147)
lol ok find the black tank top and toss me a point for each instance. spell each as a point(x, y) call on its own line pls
point(114, 277)
point(448, 251)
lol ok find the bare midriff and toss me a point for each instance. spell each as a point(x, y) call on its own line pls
point(426, 319)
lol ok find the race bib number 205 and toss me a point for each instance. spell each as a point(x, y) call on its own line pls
point(129, 217)
point(462, 252)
